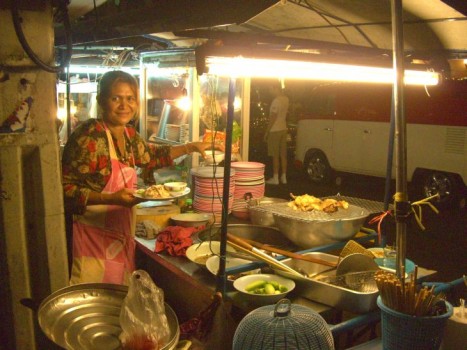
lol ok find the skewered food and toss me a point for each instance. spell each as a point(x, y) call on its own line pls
point(309, 203)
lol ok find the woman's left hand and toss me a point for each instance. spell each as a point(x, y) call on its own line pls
point(200, 147)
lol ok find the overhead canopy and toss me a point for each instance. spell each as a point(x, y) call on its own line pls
point(434, 30)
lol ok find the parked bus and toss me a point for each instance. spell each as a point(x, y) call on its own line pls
point(346, 128)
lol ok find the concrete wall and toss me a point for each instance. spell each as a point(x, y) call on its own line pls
point(33, 260)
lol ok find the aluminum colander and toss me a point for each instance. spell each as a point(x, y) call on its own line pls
point(283, 326)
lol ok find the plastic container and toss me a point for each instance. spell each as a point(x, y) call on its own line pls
point(406, 332)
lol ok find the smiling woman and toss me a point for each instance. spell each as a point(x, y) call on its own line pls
point(99, 180)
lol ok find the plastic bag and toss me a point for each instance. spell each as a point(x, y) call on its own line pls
point(142, 317)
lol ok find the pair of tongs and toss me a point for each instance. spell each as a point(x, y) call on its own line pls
point(242, 245)
point(289, 254)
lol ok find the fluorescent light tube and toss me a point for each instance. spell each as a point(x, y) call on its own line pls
point(270, 68)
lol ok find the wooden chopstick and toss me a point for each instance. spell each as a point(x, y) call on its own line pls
point(290, 254)
point(266, 258)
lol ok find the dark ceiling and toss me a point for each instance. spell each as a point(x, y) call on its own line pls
point(433, 29)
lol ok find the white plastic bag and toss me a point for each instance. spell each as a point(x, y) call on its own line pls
point(142, 317)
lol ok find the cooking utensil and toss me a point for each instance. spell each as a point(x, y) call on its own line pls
point(289, 254)
point(356, 262)
point(242, 245)
point(329, 294)
point(259, 214)
point(363, 282)
point(354, 247)
point(87, 317)
point(243, 256)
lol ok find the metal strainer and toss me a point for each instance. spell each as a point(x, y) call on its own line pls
point(363, 282)
point(283, 326)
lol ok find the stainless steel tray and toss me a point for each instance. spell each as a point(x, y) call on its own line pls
point(87, 316)
point(327, 293)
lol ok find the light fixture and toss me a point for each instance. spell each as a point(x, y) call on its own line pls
point(77, 69)
point(183, 103)
point(239, 66)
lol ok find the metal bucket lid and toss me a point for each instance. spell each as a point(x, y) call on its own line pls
point(87, 316)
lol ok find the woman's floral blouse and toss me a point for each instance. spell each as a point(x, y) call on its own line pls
point(86, 162)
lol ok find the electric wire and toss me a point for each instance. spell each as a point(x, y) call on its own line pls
point(24, 43)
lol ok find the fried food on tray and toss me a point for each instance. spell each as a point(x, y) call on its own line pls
point(309, 203)
point(157, 191)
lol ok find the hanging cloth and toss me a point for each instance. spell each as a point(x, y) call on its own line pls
point(103, 238)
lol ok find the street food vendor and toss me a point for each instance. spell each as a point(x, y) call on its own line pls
point(99, 180)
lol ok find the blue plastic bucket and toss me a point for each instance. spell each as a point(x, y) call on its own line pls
point(401, 331)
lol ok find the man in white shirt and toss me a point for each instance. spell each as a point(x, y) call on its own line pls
point(276, 134)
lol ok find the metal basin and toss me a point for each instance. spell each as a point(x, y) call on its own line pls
point(258, 233)
point(259, 215)
point(326, 293)
point(87, 317)
point(313, 229)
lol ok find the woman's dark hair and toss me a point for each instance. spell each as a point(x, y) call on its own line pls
point(109, 79)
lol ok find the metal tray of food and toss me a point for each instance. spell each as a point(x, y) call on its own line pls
point(320, 289)
point(87, 316)
point(309, 229)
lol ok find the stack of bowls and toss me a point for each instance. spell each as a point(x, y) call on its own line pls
point(249, 184)
point(208, 183)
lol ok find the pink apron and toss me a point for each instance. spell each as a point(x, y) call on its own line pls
point(103, 238)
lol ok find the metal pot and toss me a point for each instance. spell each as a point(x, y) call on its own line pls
point(87, 316)
point(258, 233)
point(259, 215)
point(313, 229)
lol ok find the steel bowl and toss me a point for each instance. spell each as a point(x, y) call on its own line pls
point(258, 233)
point(313, 229)
point(87, 317)
point(257, 208)
point(191, 219)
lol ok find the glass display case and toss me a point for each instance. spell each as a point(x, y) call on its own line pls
point(179, 106)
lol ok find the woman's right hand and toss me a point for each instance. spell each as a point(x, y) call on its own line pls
point(124, 197)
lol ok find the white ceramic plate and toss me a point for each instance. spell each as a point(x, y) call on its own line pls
point(212, 264)
point(174, 195)
point(199, 253)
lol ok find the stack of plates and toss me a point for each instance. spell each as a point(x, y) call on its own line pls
point(184, 133)
point(208, 183)
point(172, 132)
point(249, 184)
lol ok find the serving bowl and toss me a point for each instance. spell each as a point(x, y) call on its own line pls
point(313, 229)
point(191, 219)
point(199, 253)
point(241, 284)
point(214, 157)
point(175, 186)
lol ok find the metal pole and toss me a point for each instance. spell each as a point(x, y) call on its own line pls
point(221, 277)
point(401, 204)
point(68, 104)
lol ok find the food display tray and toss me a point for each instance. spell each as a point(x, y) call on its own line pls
point(329, 294)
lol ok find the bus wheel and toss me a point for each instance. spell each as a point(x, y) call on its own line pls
point(317, 167)
point(446, 185)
